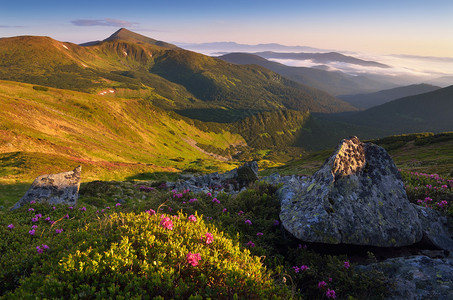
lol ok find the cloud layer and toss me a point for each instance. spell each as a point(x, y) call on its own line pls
point(105, 22)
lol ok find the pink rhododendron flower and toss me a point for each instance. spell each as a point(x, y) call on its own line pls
point(321, 284)
point(58, 230)
point(240, 212)
point(303, 268)
point(193, 200)
point(193, 258)
point(209, 194)
point(192, 218)
point(151, 212)
point(32, 232)
point(11, 226)
point(32, 202)
point(248, 222)
point(224, 210)
point(39, 249)
point(330, 294)
point(83, 209)
point(346, 264)
point(259, 233)
point(34, 219)
point(118, 204)
point(31, 209)
point(209, 238)
point(167, 223)
point(251, 244)
point(34, 227)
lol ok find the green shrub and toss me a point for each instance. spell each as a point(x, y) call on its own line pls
point(40, 88)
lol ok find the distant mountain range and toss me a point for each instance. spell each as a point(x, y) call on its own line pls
point(335, 83)
point(322, 58)
point(235, 47)
point(365, 101)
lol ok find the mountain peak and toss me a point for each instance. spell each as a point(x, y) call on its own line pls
point(124, 34)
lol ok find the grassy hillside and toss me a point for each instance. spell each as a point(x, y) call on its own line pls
point(83, 128)
point(420, 152)
point(169, 76)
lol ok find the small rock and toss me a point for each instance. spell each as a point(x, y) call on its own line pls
point(61, 188)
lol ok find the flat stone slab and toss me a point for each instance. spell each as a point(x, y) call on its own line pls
point(61, 188)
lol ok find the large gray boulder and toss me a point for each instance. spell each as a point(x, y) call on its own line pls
point(61, 188)
point(357, 197)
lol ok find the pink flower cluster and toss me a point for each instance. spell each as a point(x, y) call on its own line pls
point(442, 203)
point(166, 223)
point(151, 212)
point(41, 250)
point(301, 269)
point(330, 294)
point(346, 264)
point(251, 244)
point(192, 218)
point(208, 237)
point(193, 258)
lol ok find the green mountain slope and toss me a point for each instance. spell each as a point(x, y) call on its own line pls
point(430, 112)
point(170, 77)
point(365, 101)
point(98, 130)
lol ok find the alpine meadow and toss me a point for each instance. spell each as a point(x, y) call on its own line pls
point(135, 168)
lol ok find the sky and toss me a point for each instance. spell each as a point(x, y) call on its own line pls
point(411, 27)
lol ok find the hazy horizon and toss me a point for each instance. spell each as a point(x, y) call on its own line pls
point(386, 27)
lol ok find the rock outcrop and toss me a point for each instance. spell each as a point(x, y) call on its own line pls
point(417, 277)
point(61, 188)
point(357, 197)
point(434, 228)
point(231, 182)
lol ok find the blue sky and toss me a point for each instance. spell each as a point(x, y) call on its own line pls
point(383, 26)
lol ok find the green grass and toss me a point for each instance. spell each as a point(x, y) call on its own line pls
point(421, 152)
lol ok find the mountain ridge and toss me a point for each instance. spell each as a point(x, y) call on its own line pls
point(335, 83)
point(183, 79)
point(365, 101)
